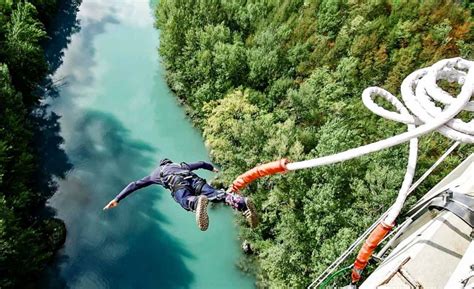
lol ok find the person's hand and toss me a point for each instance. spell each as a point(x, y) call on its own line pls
point(111, 204)
point(215, 170)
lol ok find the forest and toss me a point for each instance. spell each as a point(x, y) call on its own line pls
point(270, 79)
point(27, 240)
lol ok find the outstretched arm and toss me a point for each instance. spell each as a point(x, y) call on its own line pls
point(202, 165)
point(130, 188)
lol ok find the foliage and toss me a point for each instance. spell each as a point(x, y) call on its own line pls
point(22, 51)
point(272, 79)
point(26, 241)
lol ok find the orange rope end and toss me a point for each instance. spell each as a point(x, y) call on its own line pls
point(368, 248)
point(258, 172)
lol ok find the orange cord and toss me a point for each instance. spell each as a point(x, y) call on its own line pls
point(258, 172)
point(368, 248)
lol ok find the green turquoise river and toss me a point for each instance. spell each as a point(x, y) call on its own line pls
point(118, 118)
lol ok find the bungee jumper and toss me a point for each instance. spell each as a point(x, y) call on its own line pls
point(190, 191)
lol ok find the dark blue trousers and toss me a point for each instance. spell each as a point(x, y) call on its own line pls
point(187, 197)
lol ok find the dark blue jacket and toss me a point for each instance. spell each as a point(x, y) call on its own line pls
point(156, 177)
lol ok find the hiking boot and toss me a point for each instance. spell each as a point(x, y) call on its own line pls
point(251, 213)
point(202, 219)
point(245, 206)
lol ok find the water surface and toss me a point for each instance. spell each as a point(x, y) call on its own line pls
point(118, 118)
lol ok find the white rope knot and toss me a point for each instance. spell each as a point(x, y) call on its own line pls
point(420, 93)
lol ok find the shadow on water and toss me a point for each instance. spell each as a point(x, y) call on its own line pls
point(48, 141)
point(53, 160)
point(47, 132)
point(123, 247)
point(60, 31)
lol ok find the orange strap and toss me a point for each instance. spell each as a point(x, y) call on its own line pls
point(257, 172)
point(368, 248)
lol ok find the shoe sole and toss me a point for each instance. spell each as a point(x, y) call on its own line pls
point(251, 213)
point(202, 219)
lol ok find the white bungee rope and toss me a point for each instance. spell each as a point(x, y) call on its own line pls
point(330, 269)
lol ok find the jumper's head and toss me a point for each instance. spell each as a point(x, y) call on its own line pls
point(165, 161)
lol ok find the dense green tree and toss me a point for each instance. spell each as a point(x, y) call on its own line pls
point(22, 51)
point(23, 248)
point(27, 242)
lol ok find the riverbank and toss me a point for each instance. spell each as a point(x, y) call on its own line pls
point(272, 80)
point(29, 236)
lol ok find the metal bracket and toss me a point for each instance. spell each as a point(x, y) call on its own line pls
point(461, 205)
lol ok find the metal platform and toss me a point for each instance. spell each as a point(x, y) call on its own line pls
point(436, 250)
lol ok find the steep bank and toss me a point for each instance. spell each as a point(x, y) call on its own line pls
point(28, 238)
point(284, 79)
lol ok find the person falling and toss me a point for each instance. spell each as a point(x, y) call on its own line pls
point(190, 191)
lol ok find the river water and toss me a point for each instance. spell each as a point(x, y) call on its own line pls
point(118, 118)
